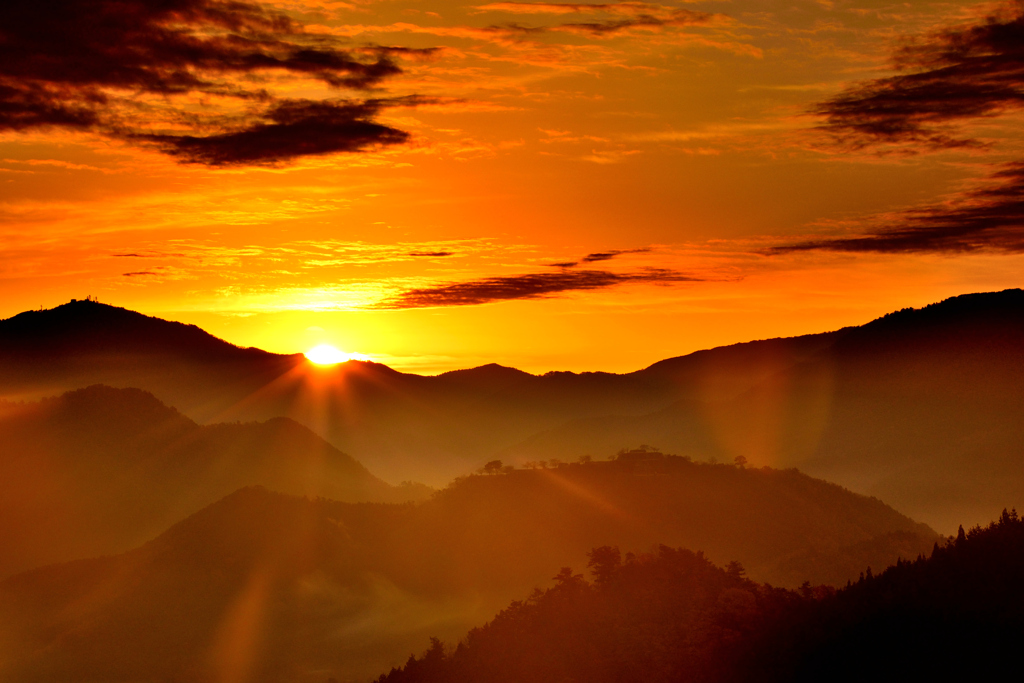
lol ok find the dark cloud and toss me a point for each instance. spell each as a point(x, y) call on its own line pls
point(82, 65)
point(290, 129)
point(601, 28)
point(138, 273)
point(599, 256)
point(679, 17)
point(607, 255)
point(35, 106)
point(420, 53)
point(990, 217)
point(948, 77)
point(153, 255)
point(528, 286)
point(516, 28)
point(432, 253)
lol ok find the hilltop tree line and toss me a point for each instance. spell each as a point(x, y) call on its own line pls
point(672, 615)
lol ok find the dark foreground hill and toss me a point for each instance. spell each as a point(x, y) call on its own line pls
point(921, 407)
point(672, 615)
point(101, 470)
point(267, 587)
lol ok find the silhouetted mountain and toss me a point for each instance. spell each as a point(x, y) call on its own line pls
point(85, 327)
point(275, 587)
point(487, 378)
point(920, 407)
point(674, 616)
point(100, 470)
point(406, 426)
point(84, 342)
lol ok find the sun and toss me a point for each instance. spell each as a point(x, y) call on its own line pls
point(325, 354)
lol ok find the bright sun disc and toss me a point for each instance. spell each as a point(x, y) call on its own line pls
point(325, 354)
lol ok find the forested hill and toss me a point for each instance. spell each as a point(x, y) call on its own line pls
point(784, 526)
point(672, 616)
point(348, 590)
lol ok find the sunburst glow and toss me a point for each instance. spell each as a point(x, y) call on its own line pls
point(325, 354)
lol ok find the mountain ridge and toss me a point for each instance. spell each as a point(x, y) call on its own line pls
point(349, 589)
point(100, 469)
point(25, 326)
point(864, 406)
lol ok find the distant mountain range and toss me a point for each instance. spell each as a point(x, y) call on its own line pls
point(207, 542)
point(921, 407)
point(100, 470)
point(262, 586)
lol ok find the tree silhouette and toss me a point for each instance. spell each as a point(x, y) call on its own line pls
point(671, 615)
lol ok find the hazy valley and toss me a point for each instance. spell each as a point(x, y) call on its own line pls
point(260, 509)
point(920, 408)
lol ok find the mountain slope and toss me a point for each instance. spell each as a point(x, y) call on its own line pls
point(921, 407)
point(673, 616)
point(99, 470)
point(85, 327)
point(269, 587)
point(404, 426)
point(84, 342)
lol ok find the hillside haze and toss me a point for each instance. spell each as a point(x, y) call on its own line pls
point(920, 407)
point(263, 586)
point(403, 426)
point(100, 470)
point(671, 615)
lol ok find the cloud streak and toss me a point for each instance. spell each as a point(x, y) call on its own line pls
point(290, 129)
point(89, 65)
point(600, 256)
point(606, 255)
point(989, 218)
point(527, 286)
point(950, 76)
point(565, 7)
point(628, 15)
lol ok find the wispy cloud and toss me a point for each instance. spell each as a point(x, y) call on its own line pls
point(990, 217)
point(526, 286)
point(607, 255)
point(572, 7)
point(600, 256)
point(949, 76)
point(155, 254)
point(623, 16)
point(952, 76)
point(568, 36)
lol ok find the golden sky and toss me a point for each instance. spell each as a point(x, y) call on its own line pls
point(544, 185)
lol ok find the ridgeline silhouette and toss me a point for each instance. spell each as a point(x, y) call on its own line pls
point(920, 407)
point(101, 470)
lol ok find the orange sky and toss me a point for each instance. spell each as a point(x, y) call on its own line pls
point(680, 145)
